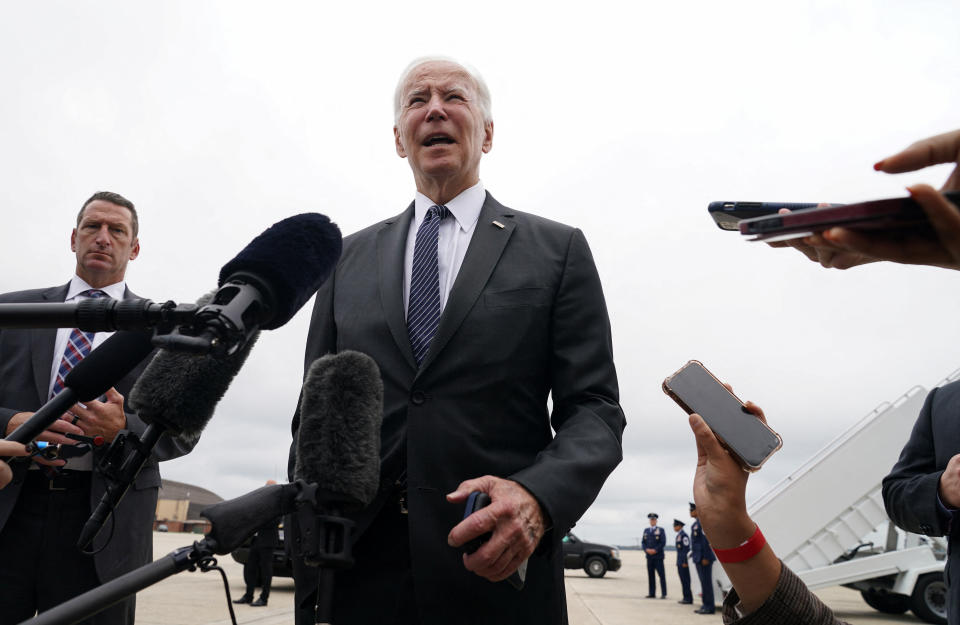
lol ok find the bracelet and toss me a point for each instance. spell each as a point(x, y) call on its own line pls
point(747, 549)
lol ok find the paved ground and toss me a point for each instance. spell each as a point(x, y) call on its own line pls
point(617, 599)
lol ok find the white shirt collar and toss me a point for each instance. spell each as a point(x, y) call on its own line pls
point(79, 285)
point(465, 207)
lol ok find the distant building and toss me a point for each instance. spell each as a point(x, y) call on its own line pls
point(179, 506)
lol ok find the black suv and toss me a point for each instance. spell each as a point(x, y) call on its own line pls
point(595, 559)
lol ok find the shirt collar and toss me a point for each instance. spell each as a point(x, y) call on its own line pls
point(79, 285)
point(465, 207)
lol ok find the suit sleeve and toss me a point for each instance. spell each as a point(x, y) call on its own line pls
point(568, 474)
point(910, 490)
point(321, 340)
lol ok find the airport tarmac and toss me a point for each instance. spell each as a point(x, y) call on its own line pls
point(616, 599)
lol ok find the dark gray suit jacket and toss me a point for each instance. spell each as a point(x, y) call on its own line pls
point(524, 322)
point(910, 490)
point(26, 359)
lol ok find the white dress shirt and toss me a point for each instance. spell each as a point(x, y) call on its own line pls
point(452, 240)
point(79, 285)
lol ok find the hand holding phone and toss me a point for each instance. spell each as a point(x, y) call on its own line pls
point(476, 501)
point(749, 440)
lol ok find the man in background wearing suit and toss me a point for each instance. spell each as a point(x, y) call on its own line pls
point(44, 508)
point(476, 314)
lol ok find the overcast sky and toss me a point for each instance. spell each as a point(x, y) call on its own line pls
point(624, 119)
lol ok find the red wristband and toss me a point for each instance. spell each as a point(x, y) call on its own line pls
point(747, 549)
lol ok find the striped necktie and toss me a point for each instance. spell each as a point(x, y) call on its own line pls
point(423, 309)
point(78, 347)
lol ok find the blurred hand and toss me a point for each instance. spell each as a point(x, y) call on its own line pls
point(515, 518)
point(9, 448)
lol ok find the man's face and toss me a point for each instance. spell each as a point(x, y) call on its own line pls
point(104, 243)
point(441, 128)
point(653, 522)
point(677, 527)
point(693, 513)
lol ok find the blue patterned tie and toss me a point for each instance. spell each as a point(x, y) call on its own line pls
point(78, 347)
point(423, 309)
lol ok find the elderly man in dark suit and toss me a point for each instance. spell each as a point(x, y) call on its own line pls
point(477, 315)
point(43, 509)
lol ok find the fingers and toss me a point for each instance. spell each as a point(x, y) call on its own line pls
point(707, 443)
point(10, 448)
point(479, 523)
point(756, 410)
point(54, 433)
point(483, 484)
point(944, 148)
point(943, 215)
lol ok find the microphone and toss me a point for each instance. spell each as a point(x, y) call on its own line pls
point(264, 285)
point(338, 451)
point(89, 379)
point(176, 393)
point(338, 443)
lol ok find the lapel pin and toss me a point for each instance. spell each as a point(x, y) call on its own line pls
point(498, 224)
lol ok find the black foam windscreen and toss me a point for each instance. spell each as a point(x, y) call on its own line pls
point(292, 258)
point(181, 390)
point(338, 443)
point(107, 364)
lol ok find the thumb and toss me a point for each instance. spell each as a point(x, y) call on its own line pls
point(113, 396)
point(707, 443)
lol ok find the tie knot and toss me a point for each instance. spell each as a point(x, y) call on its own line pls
point(94, 293)
point(437, 211)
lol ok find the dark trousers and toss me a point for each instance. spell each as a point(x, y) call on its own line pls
point(258, 571)
point(379, 587)
point(656, 565)
point(40, 565)
point(705, 573)
point(684, 573)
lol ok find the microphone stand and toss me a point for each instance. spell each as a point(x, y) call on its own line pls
point(199, 555)
point(232, 522)
point(102, 314)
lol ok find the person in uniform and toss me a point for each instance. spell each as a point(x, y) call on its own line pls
point(654, 540)
point(683, 567)
point(703, 559)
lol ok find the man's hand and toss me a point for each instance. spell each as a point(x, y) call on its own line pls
point(651, 551)
point(54, 434)
point(100, 418)
point(719, 488)
point(949, 487)
point(9, 448)
point(514, 517)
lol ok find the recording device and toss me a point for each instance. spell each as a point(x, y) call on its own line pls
point(90, 378)
point(338, 447)
point(902, 213)
point(177, 393)
point(729, 214)
point(263, 286)
point(749, 440)
point(475, 501)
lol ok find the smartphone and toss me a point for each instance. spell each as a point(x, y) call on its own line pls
point(750, 440)
point(729, 214)
point(475, 501)
point(901, 213)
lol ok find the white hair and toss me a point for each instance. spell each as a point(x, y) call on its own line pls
point(483, 92)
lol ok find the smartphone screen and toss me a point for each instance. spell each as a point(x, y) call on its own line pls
point(697, 390)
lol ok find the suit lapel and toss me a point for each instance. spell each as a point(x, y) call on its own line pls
point(391, 245)
point(42, 342)
point(483, 254)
